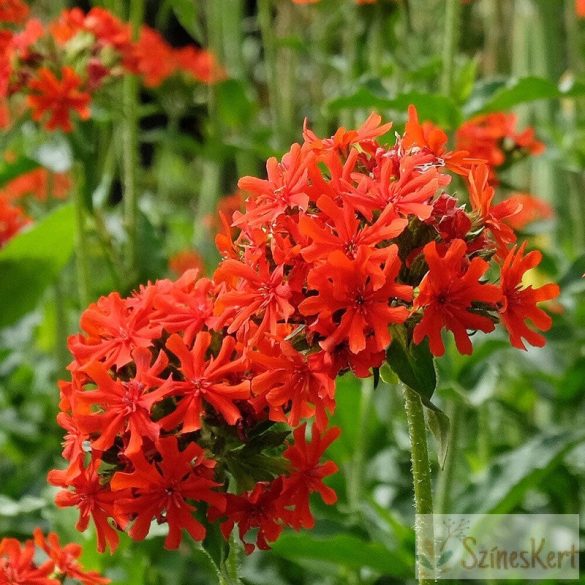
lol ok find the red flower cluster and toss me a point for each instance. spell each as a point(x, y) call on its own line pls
point(91, 49)
point(494, 138)
point(189, 388)
point(19, 563)
point(14, 11)
point(40, 184)
point(12, 220)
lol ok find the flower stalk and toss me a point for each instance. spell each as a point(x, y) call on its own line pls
point(130, 148)
point(421, 475)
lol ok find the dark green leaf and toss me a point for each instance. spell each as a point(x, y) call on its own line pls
point(342, 550)
point(234, 106)
point(509, 477)
point(439, 425)
point(436, 108)
point(186, 12)
point(31, 261)
point(10, 171)
point(413, 364)
point(521, 91)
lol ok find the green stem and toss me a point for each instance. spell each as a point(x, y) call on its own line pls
point(269, 41)
point(81, 243)
point(61, 328)
point(130, 148)
point(445, 479)
point(354, 488)
point(421, 475)
point(450, 42)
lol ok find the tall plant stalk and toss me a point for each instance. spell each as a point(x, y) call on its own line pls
point(81, 243)
point(130, 148)
point(450, 42)
point(421, 475)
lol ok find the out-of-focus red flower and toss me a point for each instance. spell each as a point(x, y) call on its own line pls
point(186, 260)
point(12, 220)
point(200, 64)
point(494, 138)
point(66, 559)
point(520, 302)
point(448, 294)
point(14, 11)
point(40, 184)
point(580, 8)
point(17, 565)
point(152, 57)
point(531, 209)
point(28, 36)
point(57, 98)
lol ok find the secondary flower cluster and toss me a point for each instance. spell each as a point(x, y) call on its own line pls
point(183, 396)
point(20, 563)
point(55, 70)
point(39, 184)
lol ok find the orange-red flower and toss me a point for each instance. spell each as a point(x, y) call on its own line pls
point(308, 473)
point(520, 302)
point(12, 220)
point(17, 565)
point(14, 11)
point(433, 140)
point(495, 218)
point(580, 8)
point(206, 380)
point(359, 305)
point(531, 209)
point(40, 184)
point(450, 295)
point(66, 559)
point(57, 98)
point(163, 489)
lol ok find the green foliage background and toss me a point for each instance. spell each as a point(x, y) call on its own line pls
point(520, 417)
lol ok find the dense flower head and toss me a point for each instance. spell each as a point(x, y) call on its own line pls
point(62, 66)
point(191, 401)
point(44, 561)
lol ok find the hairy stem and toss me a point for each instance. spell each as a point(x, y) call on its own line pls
point(130, 148)
point(421, 475)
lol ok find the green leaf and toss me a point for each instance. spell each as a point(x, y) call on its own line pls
point(10, 171)
point(234, 106)
point(521, 91)
point(439, 425)
point(511, 475)
point(186, 12)
point(342, 550)
point(387, 374)
point(31, 261)
point(436, 108)
point(413, 364)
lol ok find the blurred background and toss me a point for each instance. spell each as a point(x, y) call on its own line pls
point(503, 77)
